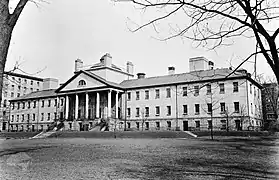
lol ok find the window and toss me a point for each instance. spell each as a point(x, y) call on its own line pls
point(5, 103)
point(12, 94)
point(128, 96)
point(185, 109)
point(255, 92)
point(198, 124)
point(250, 88)
point(137, 95)
point(25, 81)
point(37, 89)
point(22, 117)
point(168, 92)
point(81, 83)
point(128, 112)
point(34, 117)
point(55, 115)
point(13, 105)
point(168, 110)
point(197, 109)
point(62, 102)
point(19, 80)
point(38, 83)
point(42, 115)
point(31, 89)
point(223, 108)
point(209, 108)
point(158, 125)
point(49, 102)
point(184, 91)
point(43, 103)
point(146, 94)
point(236, 107)
point(19, 87)
point(235, 86)
point(28, 117)
point(208, 89)
point(18, 94)
point(209, 122)
point(222, 88)
point(128, 125)
point(157, 93)
point(34, 104)
point(29, 104)
point(13, 87)
point(137, 112)
point(12, 118)
point(31, 82)
point(5, 94)
point(146, 111)
point(146, 125)
point(17, 118)
point(18, 105)
point(48, 116)
point(25, 89)
point(157, 110)
point(196, 89)
point(137, 125)
point(168, 125)
point(251, 108)
point(23, 105)
point(55, 102)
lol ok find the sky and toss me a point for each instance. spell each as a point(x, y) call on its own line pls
point(47, 40)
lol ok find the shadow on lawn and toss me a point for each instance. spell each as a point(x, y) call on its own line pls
point(21, 150)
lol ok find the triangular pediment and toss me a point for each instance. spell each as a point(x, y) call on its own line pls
point(82, 80)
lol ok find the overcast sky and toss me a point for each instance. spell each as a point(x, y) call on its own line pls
point(53, 36)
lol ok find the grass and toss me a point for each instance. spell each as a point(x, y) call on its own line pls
point(141, 158)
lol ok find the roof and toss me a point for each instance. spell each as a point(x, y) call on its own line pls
point(100, 64)
point(108, 83)
point(23, 76)
point(191, 77)
point(37, 95)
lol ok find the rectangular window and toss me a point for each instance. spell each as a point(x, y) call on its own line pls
point(168, 125)
point(157, 109)
point(23, 105)
point(5, 94)
point(55, 115)
point(31, 82)
point(128, 96)
point(55, 102)
point(18, 94)
point(157, 92)
point(235, 86)
point(158, 125)
point(208, 89)
point(185, 109)
point(22, 117)
point(168, 110)
point(43, 103)
point(146, 111)
point(197, 109)
point(13, 105)
point(137, 112)
point(17, 118)
point(222, 88)
point(137, 125)
point(137, 95)
point(168, 92)
point(29, 104)
point(62, 102)
point(34, 104)
point(128, 112)
point(31, 89)
point(42, 115)
point(18, 105)
point(28, 117)
point(250, 88)
point(128, 125)
point(223, 107)
point(236, 107)
point(34, 117)
point(19, 87)
point(198, 124)
point(251, 108)
point(184, 91)
point(209, 108)
point(209, 122)
point(48, 116)
point(146, 125)
point(49, 102)
point(197, 90)
point(146, 94)
point(12, 94)
point(12, 118)
point(13, 87)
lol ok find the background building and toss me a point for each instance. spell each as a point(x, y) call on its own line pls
point(203, 97)
point(15, 85)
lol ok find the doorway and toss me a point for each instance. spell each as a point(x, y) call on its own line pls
point(185, 125)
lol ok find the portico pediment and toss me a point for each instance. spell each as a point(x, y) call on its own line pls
point(83, 80)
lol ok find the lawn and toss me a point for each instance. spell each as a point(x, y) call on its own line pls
point(130, 158)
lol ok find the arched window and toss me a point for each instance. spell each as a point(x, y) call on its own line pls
point(81, 83)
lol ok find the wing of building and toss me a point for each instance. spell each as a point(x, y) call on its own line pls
point(105, 93)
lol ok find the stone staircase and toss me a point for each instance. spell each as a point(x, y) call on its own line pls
point(56, 126)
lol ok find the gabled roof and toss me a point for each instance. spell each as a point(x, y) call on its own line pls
point(191, 77)
point(92, 75)
point(37, 95)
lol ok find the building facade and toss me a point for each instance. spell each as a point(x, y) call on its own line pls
point(15, 85)
point(202, 98)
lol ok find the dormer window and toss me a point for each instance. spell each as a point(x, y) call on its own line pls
point(81, 83)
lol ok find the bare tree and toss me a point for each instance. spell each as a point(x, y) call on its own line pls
point(215, 23)
point(144, 117)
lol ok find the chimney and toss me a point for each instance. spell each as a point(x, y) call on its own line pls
point(210, 65)
point(171, 70)
point(141, 75)
point(198, 64)
point(50, 83)
point(130, 68)
point(106, 60)
point(78, 65)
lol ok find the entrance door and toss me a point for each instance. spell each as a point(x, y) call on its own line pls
point(80, 126)
point(185, 125)
point(4, 126)
point(237, 125)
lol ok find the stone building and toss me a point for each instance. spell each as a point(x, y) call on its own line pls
point(196, 100)
point(15, 85)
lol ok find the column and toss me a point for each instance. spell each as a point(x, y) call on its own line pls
point(109, 103)
point(97, 105)
point(76, 107)
point(67, 107)
point(116, 105)
point(86, 105)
